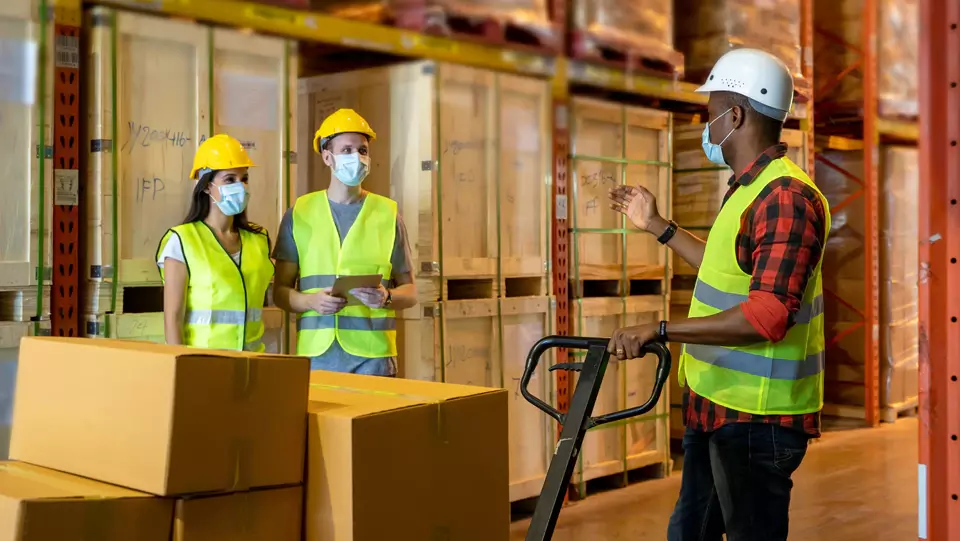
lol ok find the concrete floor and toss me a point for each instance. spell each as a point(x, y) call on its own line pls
point(854, 485)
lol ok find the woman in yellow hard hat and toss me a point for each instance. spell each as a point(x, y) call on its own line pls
point(216, 266)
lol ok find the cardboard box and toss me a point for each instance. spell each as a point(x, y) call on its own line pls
point(162, 419)
point(256, 515)
point(37, 504)
point(406, 460)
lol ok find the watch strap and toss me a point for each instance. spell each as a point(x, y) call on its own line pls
point(662, 332)
point(668, 233)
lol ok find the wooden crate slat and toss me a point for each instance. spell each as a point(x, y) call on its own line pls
point(22, 102)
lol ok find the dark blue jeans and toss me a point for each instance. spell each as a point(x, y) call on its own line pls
point(736, 480)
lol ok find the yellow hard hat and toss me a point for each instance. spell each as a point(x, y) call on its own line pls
point(218, 153)
point(342, 121)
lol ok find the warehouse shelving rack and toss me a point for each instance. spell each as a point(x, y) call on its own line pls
point(939, 160)
point(875, 130)
point(939, 232)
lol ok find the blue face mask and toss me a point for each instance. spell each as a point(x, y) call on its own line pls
point(352, 168)
point(233, 198)
point(714, 151)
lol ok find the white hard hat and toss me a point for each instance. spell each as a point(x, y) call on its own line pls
point(758, 75)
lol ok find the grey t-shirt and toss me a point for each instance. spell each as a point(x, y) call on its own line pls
point(344, 216)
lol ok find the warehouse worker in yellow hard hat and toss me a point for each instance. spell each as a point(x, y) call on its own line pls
point(216, 265)
point(345, 231)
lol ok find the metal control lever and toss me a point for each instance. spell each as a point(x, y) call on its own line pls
point(578, 418)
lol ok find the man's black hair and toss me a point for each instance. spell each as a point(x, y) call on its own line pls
point(768, 128)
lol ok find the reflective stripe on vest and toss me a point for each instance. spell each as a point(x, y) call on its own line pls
point(366, 249)
point(224, 304)
point(783, 378)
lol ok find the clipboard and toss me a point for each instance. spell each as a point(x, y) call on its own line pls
point(342, 286)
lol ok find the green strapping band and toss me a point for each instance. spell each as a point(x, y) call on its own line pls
point(623, 161)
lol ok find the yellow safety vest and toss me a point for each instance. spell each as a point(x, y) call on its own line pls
point(224, 301)
point(783, 378)
point(366, 250)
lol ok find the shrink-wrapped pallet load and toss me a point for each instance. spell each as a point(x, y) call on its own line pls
point(643, 28)
point(837, 45)
point(710, 28)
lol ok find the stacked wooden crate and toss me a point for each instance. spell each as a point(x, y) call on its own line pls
point(27, 170)
point(466, 155)
point(844, 289)
point(619, 275)
point(698, 190)
point(158, 89)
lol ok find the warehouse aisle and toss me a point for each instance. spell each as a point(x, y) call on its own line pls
point(855, 485)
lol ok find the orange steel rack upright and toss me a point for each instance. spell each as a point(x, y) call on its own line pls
point(939, 468)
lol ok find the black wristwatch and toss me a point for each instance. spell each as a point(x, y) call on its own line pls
point(662, 332)
point(668, 233)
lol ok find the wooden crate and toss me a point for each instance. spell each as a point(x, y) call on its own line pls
point(485, 343)
point(461, 150)
point(140, 155)
point(619, 448)
point(678, 312)
point(616, 144)
point(26, 115)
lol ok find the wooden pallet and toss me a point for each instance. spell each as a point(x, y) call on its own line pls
point(647, 283)
point(474, 22)
point(464, 153)
point(626, 51)
point(888, 414)
point(155, 131)
point(485, 342)
point(20, 304)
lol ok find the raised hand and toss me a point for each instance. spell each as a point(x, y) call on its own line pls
point(639, 206)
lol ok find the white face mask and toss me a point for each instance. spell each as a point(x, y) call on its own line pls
point(352, 168)
point(233, 198)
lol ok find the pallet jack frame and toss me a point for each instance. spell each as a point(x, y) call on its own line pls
point(578, 420)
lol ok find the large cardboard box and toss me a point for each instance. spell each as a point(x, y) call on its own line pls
point(37, 504)
point(406, 460)
point(256, 515)
point(162, 419)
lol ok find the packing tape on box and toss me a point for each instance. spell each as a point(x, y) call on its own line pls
point(426, 399)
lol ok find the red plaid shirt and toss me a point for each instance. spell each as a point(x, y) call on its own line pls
point(779, 244)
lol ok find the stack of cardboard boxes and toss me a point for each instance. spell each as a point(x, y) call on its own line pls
point(117, 440)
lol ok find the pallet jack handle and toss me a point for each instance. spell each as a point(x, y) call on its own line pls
point(592, 345)
point(577, 420)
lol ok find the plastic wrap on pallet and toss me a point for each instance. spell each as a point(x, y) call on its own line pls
point(644, 26)
point(434, 14)
point(837, 45)
point(843, 275)
point(899, 262)
point(710, 28)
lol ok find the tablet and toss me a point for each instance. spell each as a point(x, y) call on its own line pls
point(343, 285)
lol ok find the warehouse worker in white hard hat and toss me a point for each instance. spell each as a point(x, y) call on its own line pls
point(216, 266)
point(343, 231)
point(753, 354)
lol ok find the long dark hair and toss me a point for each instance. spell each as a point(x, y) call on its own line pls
point(200, 207)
